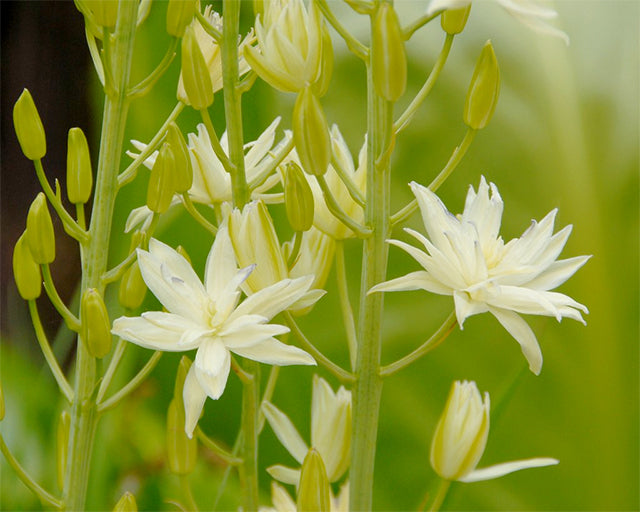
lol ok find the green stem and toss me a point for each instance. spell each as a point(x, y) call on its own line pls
point(188, 493)
point(345, 303)
point(111, 369)
point(441, 494)
point(410, 29)
point(191, 209)
point(215, 142)
point(355, 194)
point(94, 255)
point(268, 393)
point(249, 467)
point(208, 27)
point(70, 319)
point(147, 84)
point(356, 47)
point(337, 211)
point(228, 457)
point(295, 251)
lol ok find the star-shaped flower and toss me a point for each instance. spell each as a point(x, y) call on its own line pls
point(210, 318)
point(467, 258)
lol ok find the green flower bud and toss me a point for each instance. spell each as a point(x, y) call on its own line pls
point(39, 234)
point(298, 198)
point(183, 169)
point(321, 86)
point(181, 375)
point(181, 451)
point(79, 176)
point(483, 91)
point(28, 126)
point(162, 181)
point(195, 73)
point(96, 326)
point(26, 272)
point(179, 15)
point(105, 12)
point(314, 492)
point(62, 436)
point(454, 20)
point(311, 133)
point(126, 504)
point(132, 288)
point(389, 55)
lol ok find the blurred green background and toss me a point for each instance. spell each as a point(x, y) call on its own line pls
point(565, 135)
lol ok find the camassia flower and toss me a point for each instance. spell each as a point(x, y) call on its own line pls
point(467, 258)
point(211, 318)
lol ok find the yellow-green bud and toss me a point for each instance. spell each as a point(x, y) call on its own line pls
point(79, 176)
point(183, 169)
point(26, 272)
point(40, 236)
point(183, 252)
point(454, 20)
point(181, 451)
point(181, 376)
point(132, 288)
point(28, 126)
point(321, 86)
point(361, 6)
point(62, 435)
point(314, 492)
point(483, 91)
point(105, 12)
point(96, 326)
point(126, 504)
point(162, 181)
point(179, 15)
point(195, 73)
point(311, 133)
point(298, 198)
point(388, 53)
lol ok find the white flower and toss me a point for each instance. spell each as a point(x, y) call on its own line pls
point(210, 318)
point(330, 432)
point(282, 502)
point(528, 12)
point(461, 436)
point(467, 259)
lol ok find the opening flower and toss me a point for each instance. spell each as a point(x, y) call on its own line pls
point(467, 258)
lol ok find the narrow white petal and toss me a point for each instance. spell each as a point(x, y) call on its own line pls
point(193, 397)
point(284, 474)
point(285, 431)
point(189, 332)
point(212, 363)
point(419, 280)
point(138, 217)
point(149, 335)
point(557, 273)
point(271, 351)
point(437, 5)
point(221, 264)
point(523, 334)
point(250, 335)
point(281, 500)
point(524, 300)
point(435, 216)
point(466, 307)
point(505, 468)
point(262, 145)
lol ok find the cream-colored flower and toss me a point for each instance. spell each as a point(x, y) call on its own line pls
point(283, 502)
point(467, 258)
point(461, 436)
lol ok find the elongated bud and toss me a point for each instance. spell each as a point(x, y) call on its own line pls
point(40, 236)
point(195, 74)
point(26, 271)
point(181, 375)
point(181, 451)
point(126, 504)
point(182, 161)
point(454, 20)
point(484, 90)
point(62, 436)
point(389, 55)
point(311, 133)
point(298, 198)
point(79, 175)
point(162, 181)
point(96, 326)
point(132, 288)
point(105, 12)
point(179, 15)
point(321, 86)
point(28, 126)
point(314, 492)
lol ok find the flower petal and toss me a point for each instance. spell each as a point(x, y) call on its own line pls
point(557, 273)
point(505, 468)
point(419, 280)
point(284, 474)
point(221, 264)
point(193, 397)
point(158, 335)
point(285, 431)
point(271, 351)
point(523, 334)
point(212, 363)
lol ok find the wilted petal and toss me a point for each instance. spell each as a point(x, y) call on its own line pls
point(505, 468)
point(285, 431)
point(523, 334)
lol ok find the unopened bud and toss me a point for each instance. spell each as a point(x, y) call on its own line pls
point(40, 236)
point(388, 53)
point(454, 20)
point(79, 176)
point(162, 181)
point(181, 375)
point(126, 504)
point(321, 86)
point(314, 492)
point(195, 73)
point(298, 198)
point(28, 126)
point(182, 161)
point(311, 133)
point(62, 437)
point(132, 288)
point(484, 90)
point(96, 326)
point(181, 451)
point(105, 12)
point(179, 15)
point(26, 271)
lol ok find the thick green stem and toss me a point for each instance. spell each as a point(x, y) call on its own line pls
point(95, 252)
point(249, 466)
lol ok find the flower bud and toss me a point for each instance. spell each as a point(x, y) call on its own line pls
point(183, 169)
point(483, 91)
point(461, 433)
point(62, 436)
point(321, 86)
point(28, 126)
point(96, 326)
point(26, 272)
point(454, 20)
point(311, 133)
point(314, 492)
point(105, 12)
point(162, 181)
point(79, 176)
point(388, 54)
point(132, 288)
point(181, 451)
point(179, 15)
point(126, 504)
point(195, 74)
point(298, 198)
point(39, 234)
